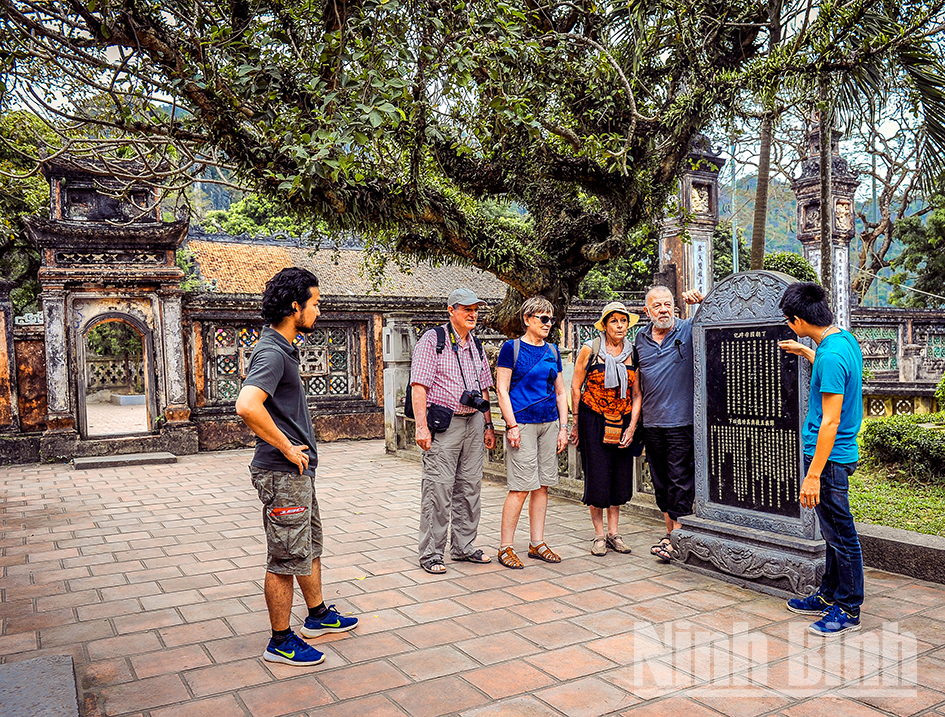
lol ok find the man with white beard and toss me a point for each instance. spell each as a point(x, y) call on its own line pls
point(664, 387)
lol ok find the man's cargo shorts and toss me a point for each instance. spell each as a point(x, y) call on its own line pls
point(290, 517)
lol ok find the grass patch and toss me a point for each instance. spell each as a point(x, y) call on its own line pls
point(887, 496)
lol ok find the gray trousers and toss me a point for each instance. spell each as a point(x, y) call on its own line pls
point(451, 486)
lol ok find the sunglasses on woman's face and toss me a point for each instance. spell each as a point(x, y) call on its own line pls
point(546, 319)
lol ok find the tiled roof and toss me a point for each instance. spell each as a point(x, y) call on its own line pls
point(241, 268)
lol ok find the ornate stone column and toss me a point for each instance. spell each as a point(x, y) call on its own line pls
point(399, 338)
point(807, 189)
point(698, 215)
point(8, 399)
point(175, 369)
point(60, 416)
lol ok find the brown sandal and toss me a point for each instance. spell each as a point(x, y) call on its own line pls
point(543, 552)
point(509, 559)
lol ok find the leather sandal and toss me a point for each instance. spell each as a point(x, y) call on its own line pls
point(543, 552)
point(616, 542)
point(476, 556)
point(434, 566)
point(663, 549)
point(599, 546)
point(509, 559)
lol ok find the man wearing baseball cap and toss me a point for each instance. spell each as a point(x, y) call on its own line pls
point(450, 380)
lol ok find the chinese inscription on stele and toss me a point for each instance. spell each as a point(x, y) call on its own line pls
point(752, 420)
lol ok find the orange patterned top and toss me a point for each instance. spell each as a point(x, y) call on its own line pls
point(606, 400)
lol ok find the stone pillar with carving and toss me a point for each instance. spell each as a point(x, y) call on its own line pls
point(8, 402)
point(399, 337)
point(697, 217)
point(59, 415)
point(807, 189)
point(177, 410)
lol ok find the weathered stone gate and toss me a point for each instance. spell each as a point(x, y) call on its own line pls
point(107, 256)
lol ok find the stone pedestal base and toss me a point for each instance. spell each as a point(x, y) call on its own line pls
point(771, 563)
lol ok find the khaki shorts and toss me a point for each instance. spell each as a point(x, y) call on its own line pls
point(290, 517)
point(535, 462)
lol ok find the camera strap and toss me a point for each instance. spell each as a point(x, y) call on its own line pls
point(455, 345)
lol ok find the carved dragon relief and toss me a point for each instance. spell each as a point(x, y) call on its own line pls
point(749, 562)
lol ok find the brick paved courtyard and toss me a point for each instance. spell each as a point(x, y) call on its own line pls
point(151, 578)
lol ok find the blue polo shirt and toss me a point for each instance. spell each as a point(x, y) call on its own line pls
point(838, 368)
point(665, 374)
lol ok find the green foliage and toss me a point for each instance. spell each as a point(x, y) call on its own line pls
point(255, 215)
point(922, 258)
point(187, 262)
point(899, 441)
point(885, 496)
point(624, 277)
point(115, 339)
point(940, 393)
point(21, 133)
point(722, 251)
point(791, 264)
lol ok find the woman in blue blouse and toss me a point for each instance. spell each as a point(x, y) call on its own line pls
point(534, 406)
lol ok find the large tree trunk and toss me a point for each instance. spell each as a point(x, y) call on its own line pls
point(761, 197)
point(826, 180)
point(760, 218)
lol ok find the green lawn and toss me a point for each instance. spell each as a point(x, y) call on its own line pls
point(879, 496)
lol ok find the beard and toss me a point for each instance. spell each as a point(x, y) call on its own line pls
point(663, 323)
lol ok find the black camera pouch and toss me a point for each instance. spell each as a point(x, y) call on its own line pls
point(438, 418)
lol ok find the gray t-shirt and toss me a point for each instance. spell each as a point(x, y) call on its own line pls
point(274, 368)
point(665, 375)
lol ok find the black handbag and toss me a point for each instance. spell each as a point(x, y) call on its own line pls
point(438, 418)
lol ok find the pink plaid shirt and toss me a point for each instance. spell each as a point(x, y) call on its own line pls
point(440, 372)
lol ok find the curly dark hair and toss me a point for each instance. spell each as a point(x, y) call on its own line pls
point(808, 301)
point(292, 284)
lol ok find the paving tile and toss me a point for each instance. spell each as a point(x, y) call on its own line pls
point(589, 697)
point(150, 620)
point(551, 635)
point(648, 679)
point(358, 648)
point(435, 633)
point(670, 707)
point(178, 659)
point(514, 707)
point(221, 706)
point(433, 662)
point(513, 678)
point(899, 698)
point(192, 634)
point(363, 679)
point(373, 706)
point(830, 706)
point(123, 646)
point(737, 697)
point(100, 674)
point(380, 600)
point(437, 697)
point(569, 663)
point(541, 590)
point(144, 694)
point(498, 647)
point(72, 634)
point(286, 696)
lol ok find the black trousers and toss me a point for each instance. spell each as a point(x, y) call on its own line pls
point(669, 451)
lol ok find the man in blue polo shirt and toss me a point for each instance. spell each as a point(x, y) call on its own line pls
point(834, 415)
point(664, 385)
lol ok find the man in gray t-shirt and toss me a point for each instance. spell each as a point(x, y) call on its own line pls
point(664, 388)
point(272, 403)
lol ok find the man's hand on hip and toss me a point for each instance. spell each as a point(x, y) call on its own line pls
point(423, 437)
point(297, 455)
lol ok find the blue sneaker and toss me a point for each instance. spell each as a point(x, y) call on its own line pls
point(835, 621)
point(812, 605)
point(333, 621)
point(294, 651)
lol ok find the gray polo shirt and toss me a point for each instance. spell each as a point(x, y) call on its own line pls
point(665, 375)
point(274, 368)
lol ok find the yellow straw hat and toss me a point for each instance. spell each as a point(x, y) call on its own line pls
point(616, 307)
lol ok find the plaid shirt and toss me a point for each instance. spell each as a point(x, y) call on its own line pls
point(440, 372)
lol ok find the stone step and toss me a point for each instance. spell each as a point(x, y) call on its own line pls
point(41, 687)
point(128, 459)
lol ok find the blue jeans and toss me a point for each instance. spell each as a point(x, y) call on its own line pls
point(843, 577)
